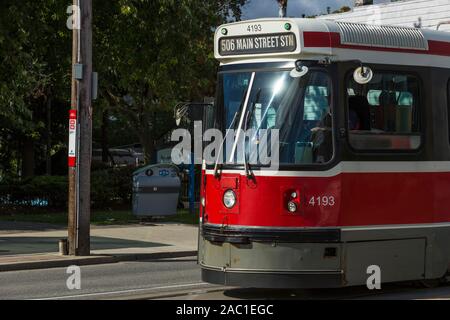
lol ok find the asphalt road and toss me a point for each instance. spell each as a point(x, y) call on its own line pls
point(174, 279)
point(104, 281)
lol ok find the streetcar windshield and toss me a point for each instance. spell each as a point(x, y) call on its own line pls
point(299, 108)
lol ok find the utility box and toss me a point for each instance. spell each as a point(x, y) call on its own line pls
point(156, 190)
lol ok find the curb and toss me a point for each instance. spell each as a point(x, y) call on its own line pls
point(93, 260)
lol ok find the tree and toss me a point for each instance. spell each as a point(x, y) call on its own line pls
point(343, 9)
point(32, 73)
point(283, 8)
point(154, 54)
point(150, 55)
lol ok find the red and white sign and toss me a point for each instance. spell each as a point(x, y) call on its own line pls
point(72, 138)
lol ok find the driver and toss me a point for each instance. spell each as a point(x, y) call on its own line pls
point(321, 137)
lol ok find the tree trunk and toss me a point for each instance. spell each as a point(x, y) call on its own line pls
point(146, 136)
point(149, 148)
point(48, 155)
point(28, 157)
point(105, 142)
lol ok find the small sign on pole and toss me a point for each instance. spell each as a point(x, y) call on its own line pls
point(72, 138)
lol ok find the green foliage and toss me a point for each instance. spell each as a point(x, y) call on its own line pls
point(44, 191)
point(157, 53)
point(34, 66)
point(34, 57)
point(343, 9)
point(109, 188)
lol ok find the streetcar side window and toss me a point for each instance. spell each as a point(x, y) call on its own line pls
point(384, 114)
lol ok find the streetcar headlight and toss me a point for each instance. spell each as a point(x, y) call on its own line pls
point(292, 207)
point(229, 199)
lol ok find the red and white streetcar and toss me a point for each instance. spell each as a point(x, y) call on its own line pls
point(363, 116)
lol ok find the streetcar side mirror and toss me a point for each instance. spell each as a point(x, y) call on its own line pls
point(188, 114)
point(180, 112)
point(300, 70)
point(363, 75)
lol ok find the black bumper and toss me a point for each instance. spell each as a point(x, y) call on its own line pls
point(246, 235)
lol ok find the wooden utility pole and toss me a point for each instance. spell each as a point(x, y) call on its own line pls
point(85, 117)
point(80, 171)
point(72, 219)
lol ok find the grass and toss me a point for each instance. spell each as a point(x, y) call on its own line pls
point(99, 217)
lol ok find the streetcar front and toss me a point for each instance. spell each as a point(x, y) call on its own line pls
point(269, 206)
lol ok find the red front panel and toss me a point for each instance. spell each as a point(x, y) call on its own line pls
point(348, 199)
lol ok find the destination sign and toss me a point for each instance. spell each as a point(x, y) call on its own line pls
point(257, 44)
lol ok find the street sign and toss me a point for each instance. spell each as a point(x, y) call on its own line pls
point(72, 138)
point(257, 44)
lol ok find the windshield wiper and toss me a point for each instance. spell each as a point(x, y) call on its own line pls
point(243, 114)
point(217, 165)
point(248, 172)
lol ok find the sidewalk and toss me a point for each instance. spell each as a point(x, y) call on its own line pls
point(25, 249)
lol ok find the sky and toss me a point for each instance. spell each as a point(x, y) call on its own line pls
point(269, 8)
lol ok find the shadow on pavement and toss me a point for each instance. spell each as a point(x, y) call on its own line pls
point(13, 227)
point(390, 291)
point(33, 245)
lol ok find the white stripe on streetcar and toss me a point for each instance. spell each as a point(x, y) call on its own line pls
point(356, 167)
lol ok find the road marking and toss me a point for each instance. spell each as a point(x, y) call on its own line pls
point(124, 291)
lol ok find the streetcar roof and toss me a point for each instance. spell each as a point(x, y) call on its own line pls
point(280, 39)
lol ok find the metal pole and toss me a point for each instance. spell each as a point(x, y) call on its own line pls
point(192, 185)
point(441, 24)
